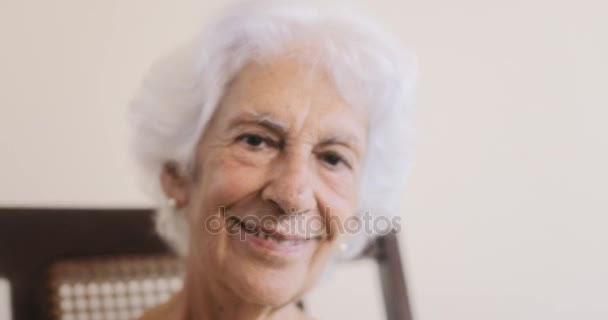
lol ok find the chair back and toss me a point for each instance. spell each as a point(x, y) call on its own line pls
point(110, 264)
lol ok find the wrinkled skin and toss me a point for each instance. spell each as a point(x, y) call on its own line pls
point(283, 143)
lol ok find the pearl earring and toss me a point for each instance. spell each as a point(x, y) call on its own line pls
point(172, 203)
point(343, 247)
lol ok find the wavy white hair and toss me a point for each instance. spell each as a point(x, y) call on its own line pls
point(368, 66)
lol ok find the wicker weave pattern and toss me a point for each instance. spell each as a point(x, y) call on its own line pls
point(112, 288)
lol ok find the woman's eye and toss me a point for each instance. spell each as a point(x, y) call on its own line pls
point(333, 159)
point(254, 140)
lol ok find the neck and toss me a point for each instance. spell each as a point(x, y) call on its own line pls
point(203, 298)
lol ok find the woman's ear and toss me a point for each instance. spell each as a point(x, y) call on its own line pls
point(175, 184)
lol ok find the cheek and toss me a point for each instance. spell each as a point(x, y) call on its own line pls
point(343, 186)
point(339, 193)
point(341, 196)
point(337, 211)
point(229, 179)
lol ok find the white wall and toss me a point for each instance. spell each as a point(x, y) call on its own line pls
point(506, 211)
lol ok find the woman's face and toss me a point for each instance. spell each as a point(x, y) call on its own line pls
point(282, 155)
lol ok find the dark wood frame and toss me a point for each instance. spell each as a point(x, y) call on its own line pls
point(31, 239)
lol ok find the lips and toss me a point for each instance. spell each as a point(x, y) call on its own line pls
point(269, 234)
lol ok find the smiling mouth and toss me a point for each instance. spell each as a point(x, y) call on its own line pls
point(269, 235)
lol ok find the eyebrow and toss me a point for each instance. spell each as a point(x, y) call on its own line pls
point(270, 122)
point(263, 119)
point(349, 141)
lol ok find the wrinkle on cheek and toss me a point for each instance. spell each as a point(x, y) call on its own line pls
point(239, 160)
point(337, 219)
point(342, 187)
point(230, 179)
point(335, 208)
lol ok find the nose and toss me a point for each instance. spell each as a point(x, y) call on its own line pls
point(290, 184)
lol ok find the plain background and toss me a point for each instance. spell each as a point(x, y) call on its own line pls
point(505, 213)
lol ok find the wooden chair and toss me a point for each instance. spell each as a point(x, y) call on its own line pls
point(50, 254)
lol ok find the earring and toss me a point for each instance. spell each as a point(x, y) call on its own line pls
point(172, 203)
point(343, 247)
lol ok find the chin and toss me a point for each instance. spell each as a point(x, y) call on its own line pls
point(272, 277)
point(270, 287)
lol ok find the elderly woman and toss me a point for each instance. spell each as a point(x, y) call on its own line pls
point(260, 140)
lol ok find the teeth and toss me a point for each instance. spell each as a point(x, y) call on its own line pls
point(265, 236)
point(261, 234)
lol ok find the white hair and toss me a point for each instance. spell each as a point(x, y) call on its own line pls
point(368, 66)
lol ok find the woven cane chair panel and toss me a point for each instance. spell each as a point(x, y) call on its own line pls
point(112, 288)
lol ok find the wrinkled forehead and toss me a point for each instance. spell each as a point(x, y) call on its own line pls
point(291, 94)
